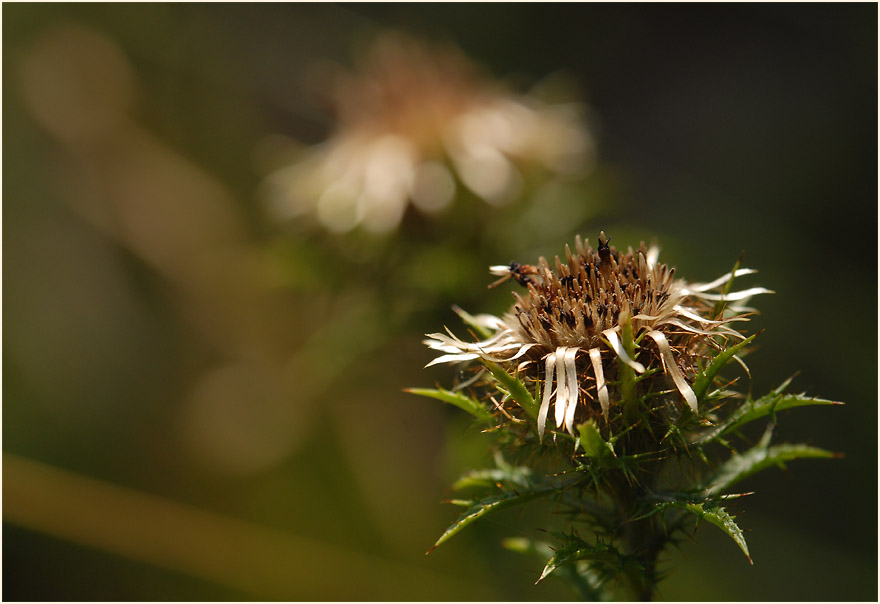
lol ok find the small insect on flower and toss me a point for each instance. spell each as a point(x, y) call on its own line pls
point(523, 273)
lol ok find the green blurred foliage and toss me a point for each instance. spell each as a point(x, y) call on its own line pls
point(162, 334)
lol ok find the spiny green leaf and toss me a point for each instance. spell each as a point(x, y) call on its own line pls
point(753, 409)
point(517, 390)
point(767, 405)
point(585, 583)
point(698, 504)
point(515, 476)
point(727, 286)
point(492, 504)
point(592, 442)
point(742, 465)
point(462, 401)
point(704, 379)
point(649, 371)
point(718, 516)
point(721, 394)
point(575, 549)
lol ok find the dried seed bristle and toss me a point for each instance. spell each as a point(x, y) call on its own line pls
point(571, 303)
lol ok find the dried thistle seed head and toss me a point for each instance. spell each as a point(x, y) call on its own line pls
point(577, 325)
point(572, 302)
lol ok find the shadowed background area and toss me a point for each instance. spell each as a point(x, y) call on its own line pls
point(202, 398)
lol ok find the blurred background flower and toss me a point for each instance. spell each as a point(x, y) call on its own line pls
point(411, 119)
point(202, 402)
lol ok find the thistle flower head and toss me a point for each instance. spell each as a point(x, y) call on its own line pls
point(586, 322)
point(412, 122)
point(618, 348)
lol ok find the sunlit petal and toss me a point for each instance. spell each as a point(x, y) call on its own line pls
point(601, 387)
point(614, 341)
point(722, 280)
point(733, 296)
point(673, 371)
point(549, 364)
point(572, 379)
point(561, 386)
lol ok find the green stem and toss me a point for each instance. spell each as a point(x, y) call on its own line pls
point(627, 374)
point(645, 541)
point(642, 540)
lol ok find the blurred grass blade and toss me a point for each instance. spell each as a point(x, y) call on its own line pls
point(263, 562)
point(463, 402)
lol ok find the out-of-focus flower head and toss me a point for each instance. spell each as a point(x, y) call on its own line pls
point(414, 124)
